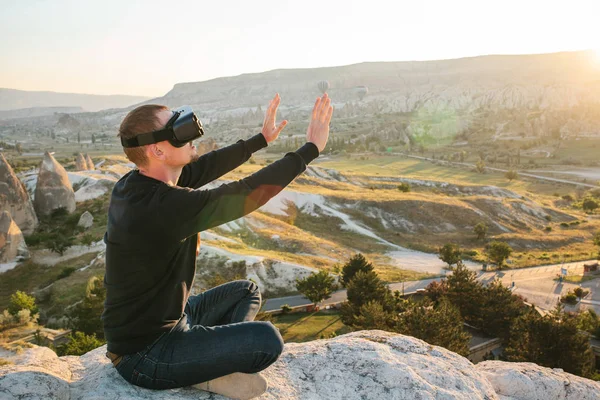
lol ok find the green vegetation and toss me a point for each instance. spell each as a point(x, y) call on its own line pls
point(317, 286)
point(79, 343)
point(498, 252)
point(450, 253)
point(356, 263)
point(304, 327)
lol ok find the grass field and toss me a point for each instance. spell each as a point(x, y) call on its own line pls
point(304, 327)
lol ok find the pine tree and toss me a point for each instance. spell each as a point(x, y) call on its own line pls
point(357, 263)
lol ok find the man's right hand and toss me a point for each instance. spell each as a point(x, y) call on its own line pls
point(318, 128)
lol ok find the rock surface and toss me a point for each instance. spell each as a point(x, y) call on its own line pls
point(81, 163)
point(15, 199)
point(86, 220)
point(12, 242)
point(359, 365)
point(53, 189)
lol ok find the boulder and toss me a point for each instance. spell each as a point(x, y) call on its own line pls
point(12, 242)
point(358, 365)
point(15, 199)
point(86, 220)
point(81, 163)
point(53, 189)
point(90, 163)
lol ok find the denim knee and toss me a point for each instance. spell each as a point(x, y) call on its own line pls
point(269, 338)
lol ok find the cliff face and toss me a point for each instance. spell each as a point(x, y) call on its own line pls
point(359, 365)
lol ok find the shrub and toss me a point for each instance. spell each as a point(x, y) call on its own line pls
point(404, 187)
point(569, 298)
point(286, 309)
point(564, 225)
point(548, 229)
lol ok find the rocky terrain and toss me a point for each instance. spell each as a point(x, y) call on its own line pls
point(359, 365)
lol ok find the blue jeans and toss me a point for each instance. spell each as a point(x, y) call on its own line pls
point(215, 337)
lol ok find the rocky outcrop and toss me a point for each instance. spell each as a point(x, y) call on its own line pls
point(15, 199)
point(81, 163)
point(53, 189)
point(90, 163)
point(12, 242)
point(359, 365)
point(206, 146)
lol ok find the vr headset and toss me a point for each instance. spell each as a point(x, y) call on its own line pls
point(183, 127)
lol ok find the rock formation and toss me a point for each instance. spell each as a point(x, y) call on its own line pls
point(206, 146)
point(15, 199)
point(359, 365)
point(81, 163)
point(86, 220)
point(53, 189)
point(90, 163)
point(12, 242)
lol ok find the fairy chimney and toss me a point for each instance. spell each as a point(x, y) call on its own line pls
point(53, 189)
point(81, 163)
point(12, 242)
point(15, 199)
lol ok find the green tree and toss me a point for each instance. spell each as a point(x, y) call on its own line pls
point(22, 301)
point(498, 252)
point(93, 138)
point(317, 286)
point(371, 315)
point(466, 293)
point(356, 263)
point(365, 287)
point(499, 309)
point(85, 316)
point(590, 204)
point(440, 325)
point(79, 344)
point(511, 175)
point(553, 341)
point(450, 254)
point(481, 230)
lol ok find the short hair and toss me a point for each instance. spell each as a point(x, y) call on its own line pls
point(140, 120)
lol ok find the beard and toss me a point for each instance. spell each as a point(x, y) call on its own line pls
point(194, 157)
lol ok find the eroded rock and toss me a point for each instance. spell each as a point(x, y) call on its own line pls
point(15, 199)
point(53, 189)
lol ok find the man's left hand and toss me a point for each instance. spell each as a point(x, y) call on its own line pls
point(270, 131)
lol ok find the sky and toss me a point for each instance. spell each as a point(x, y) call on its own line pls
point(145, 47)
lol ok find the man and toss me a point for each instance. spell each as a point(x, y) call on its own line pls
point(158, 335)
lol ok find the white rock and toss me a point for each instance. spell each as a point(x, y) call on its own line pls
point(528, 381)
point(359, 365)
point(86, 220)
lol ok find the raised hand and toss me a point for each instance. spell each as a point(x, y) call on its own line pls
point(318, 128)
point(269, 130)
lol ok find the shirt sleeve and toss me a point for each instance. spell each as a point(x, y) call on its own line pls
point(217, 163)
point(189, 211)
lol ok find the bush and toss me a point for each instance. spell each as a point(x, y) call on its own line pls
point(79, 344)
point(568, 197)
point(548, 229)
point(286, 309)
point(404, 187)
point(564, 225)
point(569, 298)
point(22, 301)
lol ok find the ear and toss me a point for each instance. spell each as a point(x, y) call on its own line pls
point(155, 152)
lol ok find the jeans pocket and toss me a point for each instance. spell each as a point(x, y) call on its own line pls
point(145, 381)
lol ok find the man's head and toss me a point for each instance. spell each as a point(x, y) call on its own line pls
point(148, 118)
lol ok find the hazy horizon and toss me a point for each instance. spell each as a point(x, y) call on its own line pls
point(86, 48)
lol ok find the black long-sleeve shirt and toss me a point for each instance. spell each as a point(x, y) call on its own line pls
point(152, 234)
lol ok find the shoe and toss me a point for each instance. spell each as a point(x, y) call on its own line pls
point(239, 386)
